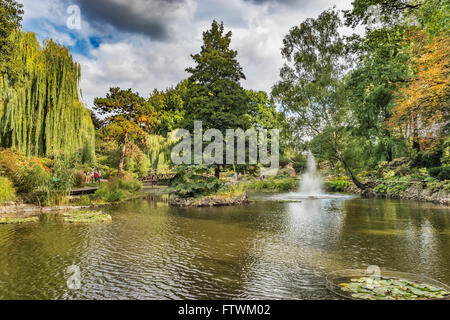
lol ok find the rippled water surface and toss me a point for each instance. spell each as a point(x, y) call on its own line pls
point(266, 250)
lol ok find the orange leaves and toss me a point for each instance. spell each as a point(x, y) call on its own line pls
point(426, 93)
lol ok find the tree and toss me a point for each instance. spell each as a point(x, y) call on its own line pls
point(129, 119)
point(10, 17)
point(390, 11)
point(381, 64)
point(423, 100)
point(215, 95)
point(169, 106)
point(41, 114)
point(311, 86)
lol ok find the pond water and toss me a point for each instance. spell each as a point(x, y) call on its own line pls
point(265, 250)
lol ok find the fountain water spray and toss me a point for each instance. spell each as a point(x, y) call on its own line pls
point(311, 182)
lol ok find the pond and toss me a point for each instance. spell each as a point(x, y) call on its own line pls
point(265, 250)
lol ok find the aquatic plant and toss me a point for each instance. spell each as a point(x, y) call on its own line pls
point(368, 288)
point(11, 220)
point(86, 217)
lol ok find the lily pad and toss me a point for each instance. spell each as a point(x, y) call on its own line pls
point(368, 288)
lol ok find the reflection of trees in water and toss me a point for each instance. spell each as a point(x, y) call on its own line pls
point(399, 235)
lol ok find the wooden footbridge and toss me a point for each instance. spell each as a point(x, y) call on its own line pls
point(155, 178)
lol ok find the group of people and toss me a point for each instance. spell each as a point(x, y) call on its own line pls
point(93, 176)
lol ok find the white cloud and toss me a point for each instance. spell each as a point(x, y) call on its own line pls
point(135, 60)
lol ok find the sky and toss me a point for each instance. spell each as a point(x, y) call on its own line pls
point(146, 44)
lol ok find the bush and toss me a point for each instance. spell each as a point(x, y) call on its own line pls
point(397, 186)
point(284, 162)
point(338, 184)
point(427, 159)
point(7, 191)
point(194, 181)
point(299, 163)
point(381, 188)
point(274, 184)
point(80, 179)
point(440, 173)
point(131, 185)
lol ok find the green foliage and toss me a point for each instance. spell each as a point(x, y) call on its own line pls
point(118, 189)
point(338, 184)
point(130, 118)
point(10, 17)
point(440, 173)
point(275, 184)
point(427, 159)
point(312, 87)
point(381, 188)
point(230, 191)
point(390, 11)
point(169, 106)
point(41, 114)
point(393, 186)
point(434, 185)
point(7, 191)
point(215, 95)
point(85, 216)
point(299, 163)
point(46, 187)
point(36, 183)
point(194, 181)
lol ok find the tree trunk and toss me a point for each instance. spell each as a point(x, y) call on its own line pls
point(415, 134)
point(217, 169)
point(357, 183)
point(122, 155)
point(388, 146)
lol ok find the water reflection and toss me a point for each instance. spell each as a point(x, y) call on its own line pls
point(266, 250)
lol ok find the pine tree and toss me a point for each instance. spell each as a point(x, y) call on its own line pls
point(215, 95)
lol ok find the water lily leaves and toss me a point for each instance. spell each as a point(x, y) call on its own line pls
point(367, 288)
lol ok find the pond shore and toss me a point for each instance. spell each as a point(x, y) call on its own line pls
point(415, 192)
point(23, 210)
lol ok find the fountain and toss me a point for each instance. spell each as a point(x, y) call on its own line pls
point(310, 188)
point(311, 182)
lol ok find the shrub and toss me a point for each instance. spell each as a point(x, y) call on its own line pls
point(131, 185)
point(381, 188)
point(299, 163)
point(427, 159)
point(440, 173)
point(79, 179)
point(284, 162)
point(7, 191)
point(274, 184)
point(398, 186)
point(194, 181)
point(338, 184)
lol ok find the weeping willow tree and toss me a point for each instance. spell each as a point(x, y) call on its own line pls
point(159, 152)
point(40, 113)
